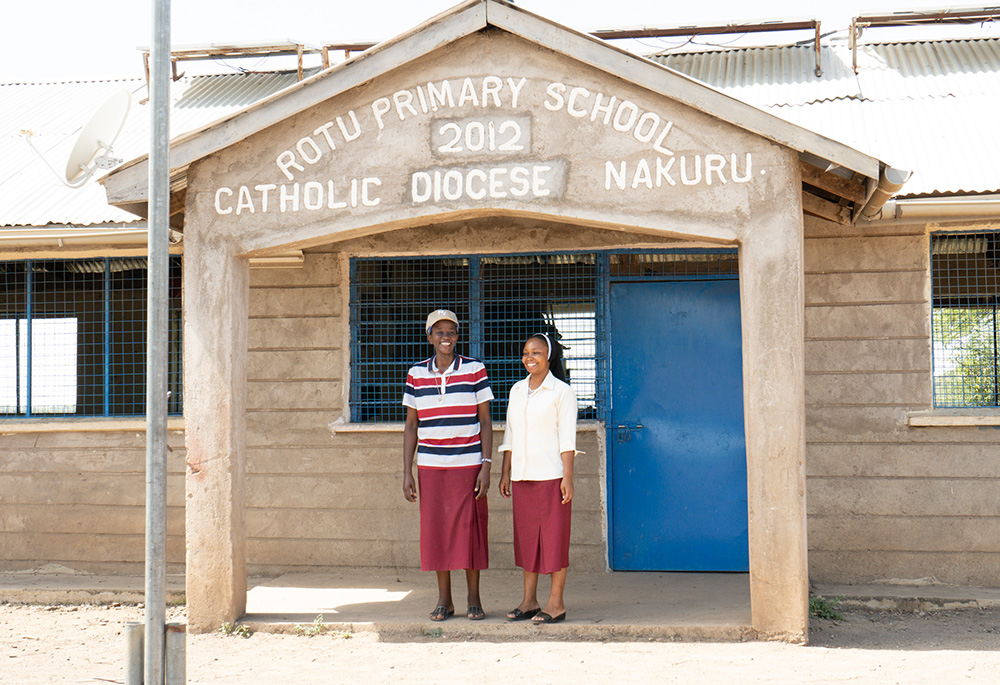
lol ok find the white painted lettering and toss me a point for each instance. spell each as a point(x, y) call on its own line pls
point(349, 135)
point(324, 130)
point(571, 109)
point(218, 201)
point(404, 100)
point(420, 187)
point(245, 202)
point(452, 186)
point(380, 108)
point(744, 177)
point(606, 109)
point(685, 179)
point(519, 181)
point(354, 192)
point(515, 90)
point(440, 96)
point(366, 198)
point(631, 112)
point(663, 172)
point(714, 164)
point(613, 173)
point(287, 197)
point(650, 118)
point(312, 195)
point(265, 193)
point(642, 175)
point(423, 100)
point(331, 201)
point(497, 191)
point(476, 175)
point(468, 93)
point(555, 91)
point(286, 161)
point(309, 144)
point(658, 145)
point(538, 181)
point(492, 85)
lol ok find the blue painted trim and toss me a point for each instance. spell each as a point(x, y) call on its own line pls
point(107, 336)
point(475, 334)
point(29, 315)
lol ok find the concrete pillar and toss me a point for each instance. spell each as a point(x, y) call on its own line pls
point(216, 294)
point(772, 307)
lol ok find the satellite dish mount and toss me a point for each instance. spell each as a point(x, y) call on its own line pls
point(93, 149)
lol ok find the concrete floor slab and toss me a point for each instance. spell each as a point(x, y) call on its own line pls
point(683, 606)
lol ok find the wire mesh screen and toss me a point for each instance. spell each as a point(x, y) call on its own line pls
point(390, 300)
point(673, 265)
point(73, 337)
point(552, 294)
point(965, 270)
point(500, 302)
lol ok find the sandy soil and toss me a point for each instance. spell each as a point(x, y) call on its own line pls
point(85, 644)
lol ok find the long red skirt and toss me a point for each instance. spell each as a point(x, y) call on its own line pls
point(453, 523)
point(541, 526)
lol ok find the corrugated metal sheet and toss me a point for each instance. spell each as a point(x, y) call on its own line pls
point(31, 195)
point(928, 106)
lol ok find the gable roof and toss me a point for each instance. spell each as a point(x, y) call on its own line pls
point(844, 175)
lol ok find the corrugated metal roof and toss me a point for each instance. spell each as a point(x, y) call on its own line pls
point(927, 106)
point(31, 195)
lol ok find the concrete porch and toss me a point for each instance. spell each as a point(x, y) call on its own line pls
point(395, 604)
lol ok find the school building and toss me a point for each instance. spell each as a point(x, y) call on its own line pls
point(784, 345)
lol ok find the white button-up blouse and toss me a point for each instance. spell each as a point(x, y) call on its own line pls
point(539, 429)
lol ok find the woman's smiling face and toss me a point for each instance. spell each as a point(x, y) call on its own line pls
point(535, 357)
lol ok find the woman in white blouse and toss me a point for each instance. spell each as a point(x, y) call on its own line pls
point(538, 448)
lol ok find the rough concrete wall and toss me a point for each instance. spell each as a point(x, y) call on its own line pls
point(886, 500)
point(77, 499)
point(321, 500)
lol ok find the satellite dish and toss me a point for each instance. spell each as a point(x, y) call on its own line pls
point(93, 148)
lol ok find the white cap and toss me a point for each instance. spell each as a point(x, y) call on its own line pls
point(440, 315)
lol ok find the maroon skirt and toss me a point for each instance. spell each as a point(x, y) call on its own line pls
point(453, 523)
point(541, 526)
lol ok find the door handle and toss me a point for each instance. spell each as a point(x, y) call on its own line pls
point(623, 431)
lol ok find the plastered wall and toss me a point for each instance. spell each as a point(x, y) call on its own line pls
point(887, 500)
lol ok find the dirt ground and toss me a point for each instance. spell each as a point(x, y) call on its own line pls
point(86, 644)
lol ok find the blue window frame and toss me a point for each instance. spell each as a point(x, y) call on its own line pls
point(965, 279)
point(501, 300)
point(73, 337)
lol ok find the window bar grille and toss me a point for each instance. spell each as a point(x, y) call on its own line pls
point(965, 275)
point(474, 337)
point(107, 337)
point(29, 343)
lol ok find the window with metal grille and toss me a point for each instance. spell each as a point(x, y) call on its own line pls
point(500, 300)
point(73, 337)
point(965, 275)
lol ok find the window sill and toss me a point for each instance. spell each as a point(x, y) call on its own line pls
point(174, 424)
point(954, 417)
point(341, 426)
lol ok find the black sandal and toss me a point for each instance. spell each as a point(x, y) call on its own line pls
point(518, 615)
point(441, 613)
point(475, 613)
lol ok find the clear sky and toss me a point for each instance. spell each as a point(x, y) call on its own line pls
point(55, 40)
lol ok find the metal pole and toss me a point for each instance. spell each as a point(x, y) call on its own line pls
point(156, 351)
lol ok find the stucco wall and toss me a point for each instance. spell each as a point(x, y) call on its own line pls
point(887, 500)
point(77, 499)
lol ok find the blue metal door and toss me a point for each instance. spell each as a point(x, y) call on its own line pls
point(678, 479)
